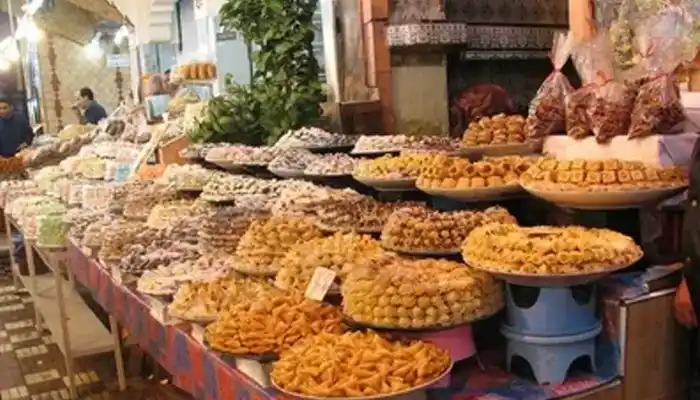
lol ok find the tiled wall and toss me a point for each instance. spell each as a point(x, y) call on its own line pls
point(65, 68)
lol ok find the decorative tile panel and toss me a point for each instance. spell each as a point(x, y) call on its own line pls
point(511, 12)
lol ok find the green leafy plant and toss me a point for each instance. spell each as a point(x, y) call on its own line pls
point(285, 92)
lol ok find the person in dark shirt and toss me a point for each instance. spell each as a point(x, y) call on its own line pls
point(687, 301)
point(15, 132)
point(89, 111)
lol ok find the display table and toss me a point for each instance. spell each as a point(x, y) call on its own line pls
point(206, 376)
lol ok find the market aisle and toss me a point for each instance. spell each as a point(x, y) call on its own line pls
point(32, 367)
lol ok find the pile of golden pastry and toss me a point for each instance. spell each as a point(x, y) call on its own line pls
point(138, 205)
point(271, 325)
point(405, 166)
point(356, 365)
point(266, 242)
point(601, 175)
point(459, 173)
point(413, 294)
point(548, 250)
point(420, 229)
point(117, 238)
point(207, 300)
point(362, 214)
point(497, 130)
point(338, 253)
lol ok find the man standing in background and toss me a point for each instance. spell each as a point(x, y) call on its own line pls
point(88, 110)
point(15, 132)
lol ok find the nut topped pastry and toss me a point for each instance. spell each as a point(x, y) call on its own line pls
point(357, 364)
point(419, 229)
point(393, 167)
point(360, 214)
point(548, 250)
point(458, 173)
point(496, 130)
point(271, 325)
point(336, 164)
point(338, 253)
point(266, 242)
point(222, 228)
point(414, 294)
point(602, 175)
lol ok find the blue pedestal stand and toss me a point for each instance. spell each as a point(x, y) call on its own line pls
point(550, 328)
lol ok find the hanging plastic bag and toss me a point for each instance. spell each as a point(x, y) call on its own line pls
point(547, 111)
point(661, 40)
point(612, 101)
point(587, 61)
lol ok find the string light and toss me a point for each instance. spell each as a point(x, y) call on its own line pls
point(93, 49)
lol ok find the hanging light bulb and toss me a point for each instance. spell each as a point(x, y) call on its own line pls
point(122, 34)
point(12, 52)
point(33, 31)
point(93, 49)
point(5, 65)
point(32, 7)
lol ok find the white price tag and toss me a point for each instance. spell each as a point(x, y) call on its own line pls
point(320, 283)
point(116, 274)
point(159, 311)
point(198, 333)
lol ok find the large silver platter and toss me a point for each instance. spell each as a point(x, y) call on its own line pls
point(225, 164)
point(551, 280)
point(287, 173)
point(388, 184)
point(373, 397)
point(475, 194)
point(422, 252)
point(608, 200)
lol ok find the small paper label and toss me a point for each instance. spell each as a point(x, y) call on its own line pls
point(159, 311)
point(320, 284)
point(116, 274)
point(198, 333)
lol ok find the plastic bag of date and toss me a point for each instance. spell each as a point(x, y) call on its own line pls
point(588, 61)
point(663, 42)
point(546, 113)
point(611, 102)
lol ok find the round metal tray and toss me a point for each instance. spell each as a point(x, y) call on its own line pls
point(599, 200)
point(427, 329)
point(287, 173)
point(394, 395)
point(373, 153)
point(423, 252)
point(388, 184)
point(496, 150)
point(315, 177)
point(551, 280)
point(333, 229)
point(475, 194)
point(225, 164)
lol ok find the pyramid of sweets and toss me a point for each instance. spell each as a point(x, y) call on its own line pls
point(602, 175)
point(337, 253)
point(393, 167)
point(362, 214)
point(446, 172)
point(222, 229)
point(496, 130)
point(413, 294)
point(547, 250)
point(267, 241)
point(422, 230)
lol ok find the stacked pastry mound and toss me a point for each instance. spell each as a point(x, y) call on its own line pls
point(416, 294)
point(548, 250)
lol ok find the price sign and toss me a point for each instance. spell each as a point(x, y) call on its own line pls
point(158, 311)
point(116, 274)
point(198, 333)
point(320, 283)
